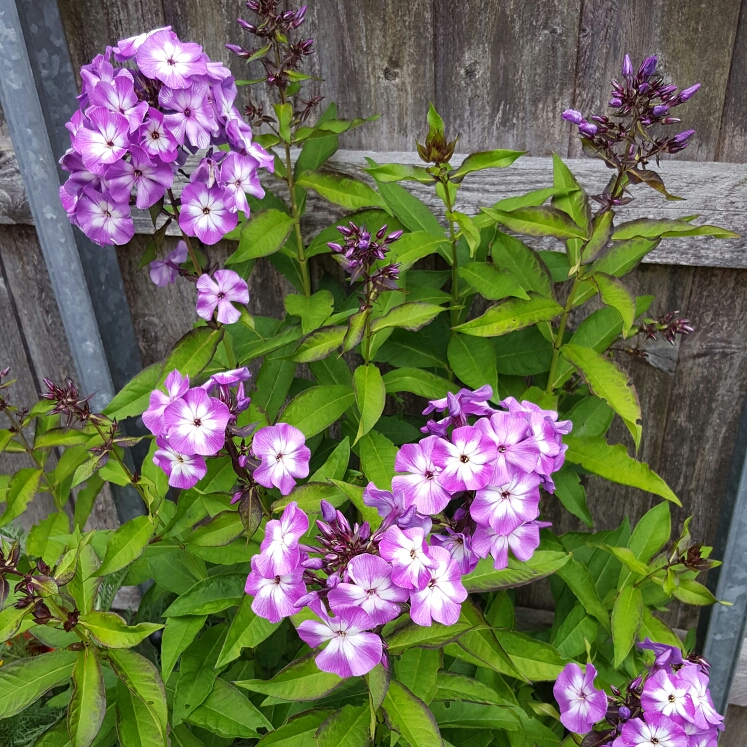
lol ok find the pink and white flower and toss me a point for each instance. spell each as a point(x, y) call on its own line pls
point(409, 555)
point(284, 454)
point(515, 444)
point(370, 588)
point(163, 272)
point(351, 651)
point(192, 114)
point(466, 461)
point(150, 178)
point(581, 704)
point(239, 176)
point(171, 61)
point(523, 541)
point(206, 214)
point(655, 731)
point(126, 49)
point(176, 387)
point(227, 288)
point(156, 139)
point(421, 487)
point(275, 596)
point(119, 96)
point(279, 553)
point(102, 219)
point(105, 142)
point(667, 694)
point(703, 713)
point(184, 470)
point(459, 546)
point(196, 423)
point(440, 597)
point(508, 505)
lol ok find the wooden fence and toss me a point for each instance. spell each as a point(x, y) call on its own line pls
point(500, 72)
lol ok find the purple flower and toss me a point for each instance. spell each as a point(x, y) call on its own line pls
point(688, 93)
point(440, 597)
point(459, 546)
point(239, 176)
point(171, 61)
point(514, 441)
point(581, 704)
point(176, 387)
point(386, 502)
point(284, 454)
point(703, 713)
point(573, 116)
point(279, 553)
point(119, 96)
point(227, 288)
point(666, 656)
point(667, 694)
point(192, 115)
point(467, 461)
point(226, 379)
point(627, 66)
point(275, 596)
point(408, 553)
point(163, 272)
point(102, 219)
point(655, 730)
point(196, 423)
point(523, 541)
point(420, 487)
point(205, 213)
point(351, 651)
point(465, 402)
point(370, 588)
point(648, 66)
point(184, 471)
point(150, 178)
point(156, 139)
point(126, 49)
point(508, 505)
point(700, 737)
point(105, 142)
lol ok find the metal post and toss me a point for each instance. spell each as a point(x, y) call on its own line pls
point(724, 626)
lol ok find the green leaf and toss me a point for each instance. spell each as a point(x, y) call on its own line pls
point(408, 209)
point(300, 681)
point(581, 583)
point(313, 310)
point(410, 316)
point(317, 408)
point(626, 619)
point(284, 115)
point(354, 493)
point(39, 542)
point(624, 256)
point(651, 228)
point(485, 578)
point(220, 531)
point(308, 496)
point(272, 384)
point(319, 344)
point(377, 454)
point(210, 596)
point(692, 592)
point(416, 669)
point(522, 353)
point(340, 190)
point(84, 586)
point(651, 533)
point(434, 636)
point(473, 360)
point(126, 544)
point(613, 463)
point(488, 159)
point(348, 727)
point(627, 557)
point(534, 659)
point(299, 731)
point(616, 295)
point(247, 630)
point(537, 221)
point(24, 681)
point(410, 717)
point(137, 725)
point(370, 396)
point(574, 632)
point(316, 151)
point(177, 636)
point(657, 630)
point(461, 716)
point(468, 231)
point(570, 492)
point(610, 383)
point(111, 630)
point(336, 465)
point(191, 355)
point(491, 282)
point(521, 261)
point(21, 491)
point(411, 247)
point(573, 201)
point(600, 236)
point(88, 702)
point(591, 417)
point(60, 437)
point(10, 621)
point(511, 315)
point(416, 381)
point(263, 234)
point(453, 686)
point(397, 172)
point(133, 398)
point(355, 329)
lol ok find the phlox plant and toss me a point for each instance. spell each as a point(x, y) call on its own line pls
point(338, 506)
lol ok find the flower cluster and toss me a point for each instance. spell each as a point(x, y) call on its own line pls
point(670, 325)
point(145, 105)
point(464, 492)
point(669, 705)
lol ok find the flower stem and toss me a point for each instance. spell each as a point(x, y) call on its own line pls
point(186, 238)
point(453, 311)
point(558, 342)
point(16, 426)
point(300, 249)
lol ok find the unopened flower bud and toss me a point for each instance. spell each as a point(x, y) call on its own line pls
point(644, 88)
point(683, 136)
point(623, 712)
point(393, 237)
point(333, 580)
point(614, 103)
point(648, 67)
point(365, 531)
point(313, 564)
point(329, 512)
point(688, 93)
point(661, 110)
point(627, 68)
point(342, 522)
point(588, 129)
point(571, 115)
point(250, 27)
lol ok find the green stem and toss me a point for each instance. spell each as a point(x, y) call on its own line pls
point(300, 249)
point(453, 310)
point(16, 426)
point(187, 240)
point(558, 342)
point(367, 332)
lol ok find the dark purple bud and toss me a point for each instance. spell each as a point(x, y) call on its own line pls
point(667, 90)
point(365, 531)
point(627, 68)
point(253, 5)
point(688, 93)
point(588, 129)
point(623, 712)
point(325, 529)
point(381, 232)
point(298, 17)
point(237, 497)
point(342, 522)
point(345, 231)
point(648, 67)
point(644, 88)
point(571, 115)
point(313, 564)
point(683, 136)
point(250, 27)
point(615, 103)
point(333, 580)
point(670, 120)
point(334, 247)
point(393, 237)
point(661, 110)
point(240, 51)
point(329, 513)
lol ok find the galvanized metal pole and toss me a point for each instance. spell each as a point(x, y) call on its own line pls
point(725, 626)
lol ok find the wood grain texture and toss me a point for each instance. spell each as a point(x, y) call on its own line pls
point(732, 138)
point(505, 72)
point(694, 42)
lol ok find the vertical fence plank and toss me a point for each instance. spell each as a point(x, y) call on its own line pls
point(732, 141)
point(505, 72)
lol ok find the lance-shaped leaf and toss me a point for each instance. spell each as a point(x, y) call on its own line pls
point(535, 659)
point(298, 731)
point(408, 209)
point(488, 159)
point(411, 247)
point(491, 282)
point(572, 200)
point(192, 353)
point(247, 630)
point(341, 190)
point(410, 316)
point(571, 493)
point(317, 408)
point(126, 544)
point(581, 583)
point(417, 381)
point(417, 669)
point(485, 578)
point(623, 256)
point(378, 680)
point(626, 619)
point(473, 360)
point(319, 344)
point(694, 593)
point(177, 636)
point(453, 686)
point(435, 636)
point(220, 531)
point(469, 231)
point(511, 315)
point(263, 234)
point(600, 236)
point(370, 396)
point(651, 228)
point(538, 221)
point(410, 717)
point(514, 256)
point(21, 492)
point(10, 618)
point(348, 727)
point(210, 596)
point(609, 383)
point(616, 295)
point(336, 465)
point(354, 332)
point(137, 725)
point(313, 310)
point(377, 454)
point(111, 630)
point(398, 172)
point(613, 463)
point(133, 398)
